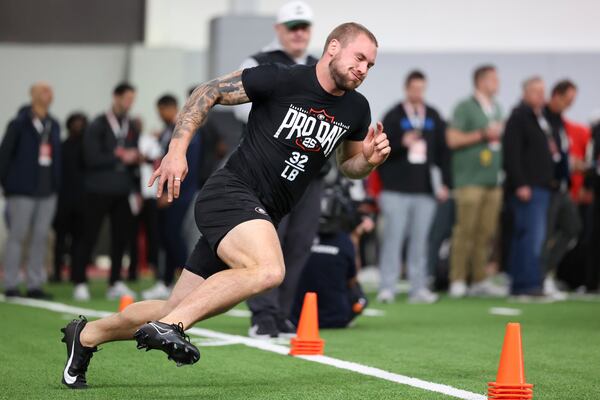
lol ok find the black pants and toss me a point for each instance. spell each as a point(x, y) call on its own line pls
point(572, 269)
point(592, 278)
point(296, 231)
point(97, 206)
point(68, 228)
point(443, 223)
point(148, 218)
point(170, 222)
point(563, 229)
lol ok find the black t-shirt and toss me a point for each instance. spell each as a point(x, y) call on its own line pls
point(293, 128)
point(400, 173)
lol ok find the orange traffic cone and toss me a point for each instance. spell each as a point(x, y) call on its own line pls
point(307, 341)
point(510, 381)
point(125, 301)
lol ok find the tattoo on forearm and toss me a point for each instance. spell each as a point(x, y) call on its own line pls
point(227, 89)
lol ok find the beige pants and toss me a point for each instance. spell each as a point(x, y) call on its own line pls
point(477, 213)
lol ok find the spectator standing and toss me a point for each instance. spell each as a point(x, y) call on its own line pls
point(413, 178)
point(30, 177)
point(111, 159)
point(68, 222)
point(147, 217)
point(474, 136)
point(564, 222)
point(528, 161)
point(171, 215)
point(592, 276)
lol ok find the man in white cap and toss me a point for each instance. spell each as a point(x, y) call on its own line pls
point(293, 29)
point(296, 232)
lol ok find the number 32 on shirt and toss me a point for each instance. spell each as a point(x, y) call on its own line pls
point(294, 165)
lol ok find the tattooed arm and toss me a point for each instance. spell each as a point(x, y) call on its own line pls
point(227, 90)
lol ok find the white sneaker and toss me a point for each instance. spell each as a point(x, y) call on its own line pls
point(159, 291)
point(385, 296)
point(458, 289)
point(119, 289)
point(552, 291)
point(486, 288)
point(81, 292)
point(423, 296)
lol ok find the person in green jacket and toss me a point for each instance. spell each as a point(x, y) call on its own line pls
point(474, 136)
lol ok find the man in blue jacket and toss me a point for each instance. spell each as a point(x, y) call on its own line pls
point(29, 174)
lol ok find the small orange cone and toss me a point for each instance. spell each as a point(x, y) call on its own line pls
point(307, 341)
point(125, 301)
point(510, 381)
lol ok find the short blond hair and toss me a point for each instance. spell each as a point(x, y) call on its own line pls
point(345, 32)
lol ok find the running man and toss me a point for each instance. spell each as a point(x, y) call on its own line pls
point(300, 115)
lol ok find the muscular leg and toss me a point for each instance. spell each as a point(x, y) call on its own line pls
point(251, 249)
point(122, 326)
point(253, 252)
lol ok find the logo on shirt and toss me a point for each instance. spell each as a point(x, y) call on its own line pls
point(260, 210)
point(311, 130)
point(321, 115)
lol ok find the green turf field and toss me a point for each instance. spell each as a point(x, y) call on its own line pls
point(455, 342)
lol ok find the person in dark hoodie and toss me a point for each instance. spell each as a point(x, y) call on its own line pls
point(68, 222)
point(332, 268)
point(30, 175)
point(529, 173)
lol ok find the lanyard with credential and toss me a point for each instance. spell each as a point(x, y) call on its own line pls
point(119, 131)
point(554, 151)
point(45, 150)
point(43, 129)
point(416, 116)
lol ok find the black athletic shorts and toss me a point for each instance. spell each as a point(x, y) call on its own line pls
point(224, 202)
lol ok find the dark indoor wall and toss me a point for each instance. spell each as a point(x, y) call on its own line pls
point(72, 21)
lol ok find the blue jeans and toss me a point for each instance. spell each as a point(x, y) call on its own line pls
point(529, 233)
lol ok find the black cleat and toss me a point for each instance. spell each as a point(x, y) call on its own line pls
point(12, 293)
point(169, 338)
point(286, 329)
point(38, 294)
point(78, 356)
point(263, 327)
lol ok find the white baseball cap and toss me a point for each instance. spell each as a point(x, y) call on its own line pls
point(295, 13)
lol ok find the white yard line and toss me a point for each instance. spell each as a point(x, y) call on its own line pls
point(271, 347)
point(505, 311)
point(237, 313)
point(373, 312)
